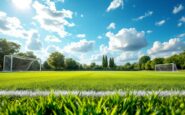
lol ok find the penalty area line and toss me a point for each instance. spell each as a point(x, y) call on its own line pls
point(89, 93)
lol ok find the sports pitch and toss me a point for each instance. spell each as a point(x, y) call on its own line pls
point(93, 80)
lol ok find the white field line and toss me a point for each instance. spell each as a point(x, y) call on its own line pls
point(89, 93)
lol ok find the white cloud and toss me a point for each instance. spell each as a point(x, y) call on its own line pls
point(182, 19)
point(99, 37)
point(160, 23)
point(128, 56)
point(115, 4)
point(147, 14)
point(112, 25)
point(173, 45)
point(177, 9)
point(96, 58)
point(52, 48)
point(52, 38)
point(179, 24)
point(127, 39)
point(12, 26)
point(34, 43)
point(181, 35)
point(81, 46)
point(149, 31)
point(104, 49)
point(80, 35)
point(22, 4)
point(81, 15)
point(53, 20)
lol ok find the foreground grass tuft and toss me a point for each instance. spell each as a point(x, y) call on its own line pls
point(113, 104)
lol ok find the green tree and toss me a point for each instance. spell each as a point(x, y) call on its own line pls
point(127, 66)
point(46, 66)
point(111, 63)
point(156, 61)
point(71, 64)
point(104, 61)
point(28, 54)
point(182, 60)
point(56, 60)
point(7, 48)
point(93, 65)
point(148, 65)
point(143, 60)
point(135, 66)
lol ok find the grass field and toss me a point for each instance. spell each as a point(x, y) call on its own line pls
point(93, 80)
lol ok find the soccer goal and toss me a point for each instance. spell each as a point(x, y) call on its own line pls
point(19, 63)
point(166, 67)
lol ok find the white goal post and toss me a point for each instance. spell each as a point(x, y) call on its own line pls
point(166, 67)
point(20, 63)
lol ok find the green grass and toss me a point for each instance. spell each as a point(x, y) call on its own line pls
point(93, 80)
point(107, 105)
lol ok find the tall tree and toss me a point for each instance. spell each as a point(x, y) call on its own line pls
point(103, 61)
point(7, 48)
point(106, 62)
point(111, 63)
point(143, 60)
point(56, 60)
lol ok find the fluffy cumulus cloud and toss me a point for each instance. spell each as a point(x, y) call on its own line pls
point(177, 9)
point(115, 4)
point(82, 46)
point(12, 26)
point(52, 19)
point(80, 35)
point(112, 25)
point(34, 42)
point(147, 14)
point(173, 45)
point(160, 23)
point(52, 38)
point(128, 56)
point(127, 40)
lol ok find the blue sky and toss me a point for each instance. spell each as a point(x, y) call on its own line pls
point(85, 30)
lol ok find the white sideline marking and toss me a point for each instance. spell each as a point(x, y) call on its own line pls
point(88, 93)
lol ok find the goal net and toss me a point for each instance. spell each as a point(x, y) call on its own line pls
point(19, 63)
point(166, 67)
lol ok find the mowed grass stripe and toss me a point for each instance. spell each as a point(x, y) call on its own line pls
point(93, 80)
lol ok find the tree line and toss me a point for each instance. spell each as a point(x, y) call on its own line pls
point(57, 61)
